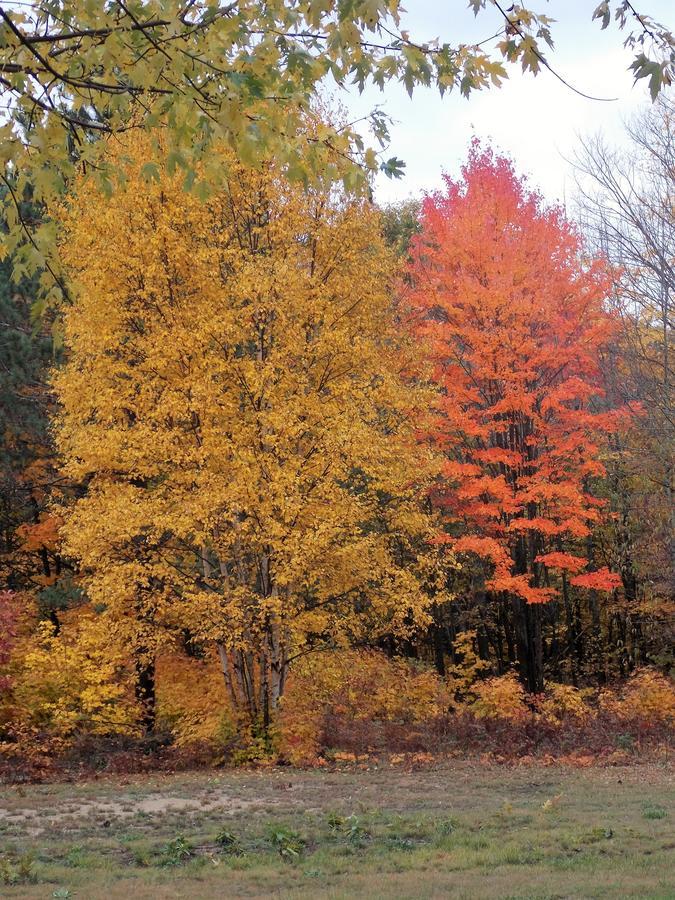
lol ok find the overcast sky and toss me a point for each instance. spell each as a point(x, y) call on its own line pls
point(535, 120)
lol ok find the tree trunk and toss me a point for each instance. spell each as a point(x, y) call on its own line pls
point(527, 620)
point(145, 692)
point(256, 680)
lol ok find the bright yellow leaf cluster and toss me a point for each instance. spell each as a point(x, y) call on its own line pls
point(69, 683)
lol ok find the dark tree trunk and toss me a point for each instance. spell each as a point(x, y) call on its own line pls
point(145, 693)
point(438, 644)
point(508, 630)
point(527, 620)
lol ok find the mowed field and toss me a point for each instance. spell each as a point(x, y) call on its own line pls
point(451, 830)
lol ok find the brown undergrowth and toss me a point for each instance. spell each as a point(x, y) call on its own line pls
point(363, 709)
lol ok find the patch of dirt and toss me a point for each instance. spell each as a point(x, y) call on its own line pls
point(126, 806)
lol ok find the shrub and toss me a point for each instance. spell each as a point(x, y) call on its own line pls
point(18, 871)
point(229, 843)
point(349, 828)
point(471, 668)
point(647, 698)
point(563, 703)
point(16, 621)
point(287, 842)
point(191, 702)
point(499, 698)
point(177, 852)
point(9, 618)
point(71, 683)
point(356, 685)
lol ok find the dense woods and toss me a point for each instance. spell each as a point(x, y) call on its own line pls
point(286, 461)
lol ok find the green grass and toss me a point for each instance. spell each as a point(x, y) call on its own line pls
point(463, 830)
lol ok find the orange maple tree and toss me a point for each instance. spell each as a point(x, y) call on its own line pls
point(514, 322)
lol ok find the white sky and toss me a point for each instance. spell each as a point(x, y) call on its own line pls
point(537, 121)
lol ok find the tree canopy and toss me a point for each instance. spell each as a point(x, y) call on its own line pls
point(243, 73)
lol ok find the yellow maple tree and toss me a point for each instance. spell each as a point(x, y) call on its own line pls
point(239, 398)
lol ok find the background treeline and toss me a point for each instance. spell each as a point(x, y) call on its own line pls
point(149, 588)
point(624, 207)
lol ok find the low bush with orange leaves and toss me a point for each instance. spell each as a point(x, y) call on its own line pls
point(360, 702)
point(362, 687)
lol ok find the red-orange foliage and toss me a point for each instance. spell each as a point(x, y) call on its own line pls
point(514, 322)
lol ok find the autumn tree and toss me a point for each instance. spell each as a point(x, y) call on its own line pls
point(30, 563)
point(242, 73)
point(626, 205)
point(239, 399)
point(513, 322)
point(400, 222)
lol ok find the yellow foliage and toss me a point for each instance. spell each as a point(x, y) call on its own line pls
point(73, 682)
point(499, 698)
point(647, 696)
point(562, 702)
point(191, 700)
point(471, 668)
point(355, 685)
point(238, 394)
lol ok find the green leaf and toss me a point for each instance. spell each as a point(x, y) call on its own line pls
point(150, 171)
point(393, 167)
point(602, 11)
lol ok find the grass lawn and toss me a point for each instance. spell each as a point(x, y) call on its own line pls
point(452, 830)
